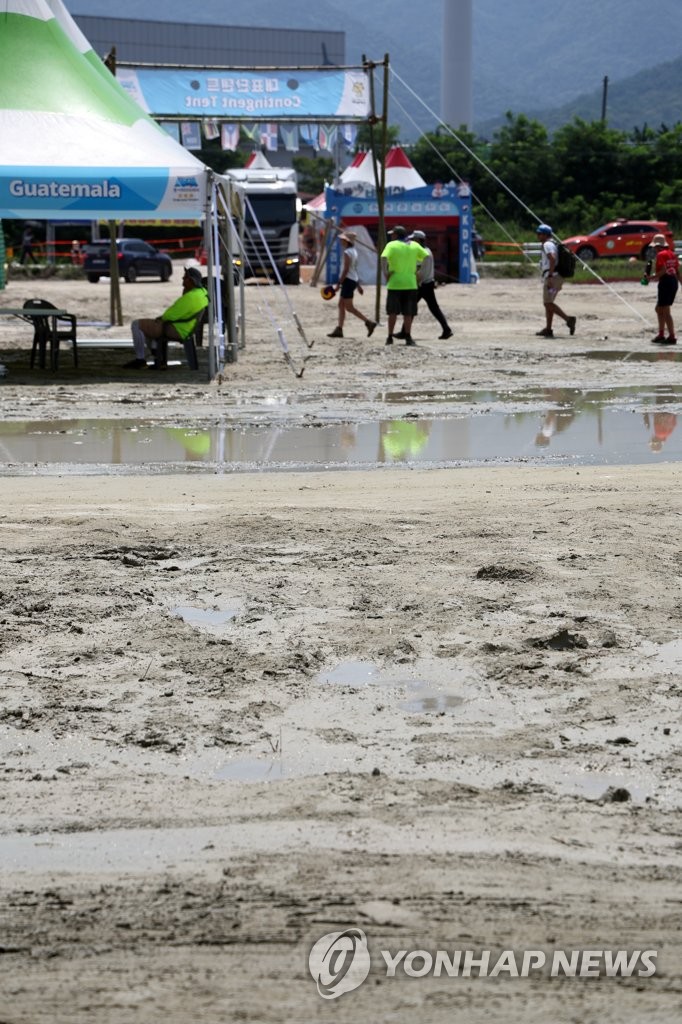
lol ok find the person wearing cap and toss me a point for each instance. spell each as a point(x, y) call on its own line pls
point(426, 287)
point(399, 262)
point(349, 281)
point(176, 323)
point(667, 273)
point(552, 283)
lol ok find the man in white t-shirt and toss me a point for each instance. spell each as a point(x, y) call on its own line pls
point(552, 283)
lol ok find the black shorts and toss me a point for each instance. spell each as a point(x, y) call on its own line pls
point(401, 302)
point(348, 288)
point(667, 290)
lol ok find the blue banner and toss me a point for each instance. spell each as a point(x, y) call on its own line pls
point(431, 208)
point(41, 192)
point(234, 94)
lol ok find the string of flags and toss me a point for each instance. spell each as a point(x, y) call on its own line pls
point(268, 135)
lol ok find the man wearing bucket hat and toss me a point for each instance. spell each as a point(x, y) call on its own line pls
point(176, 323)
point(349, 281)
point(552, 283)
point(667, 273)
point(426, 289)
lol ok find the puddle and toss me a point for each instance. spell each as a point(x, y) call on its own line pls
point(254, 769)
point(421, 697)
point(423, 688)
point(351, 673)
point(594, 785)
point(573, 431)
point(206, 617)
point(424, 700)
point(614, 356)
point(663, 657)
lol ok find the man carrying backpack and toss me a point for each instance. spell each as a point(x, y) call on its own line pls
point(552, 283)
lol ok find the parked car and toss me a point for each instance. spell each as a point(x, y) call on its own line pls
point(618, 238)
point(136, 258)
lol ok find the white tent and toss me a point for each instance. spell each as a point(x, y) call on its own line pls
point(73, 143)
point(361, 169)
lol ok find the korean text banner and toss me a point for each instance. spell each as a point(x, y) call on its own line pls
point(266, 95)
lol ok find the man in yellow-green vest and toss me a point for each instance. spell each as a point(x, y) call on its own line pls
point(176, 323)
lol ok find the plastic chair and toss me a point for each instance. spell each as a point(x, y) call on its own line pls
point(42, 333)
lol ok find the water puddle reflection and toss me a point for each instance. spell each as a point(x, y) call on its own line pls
point(427, 701)
point(254, 769)
point(596, 785)
point(416, 690)
point(206, 617)
point(351, 673)
point(618, 426)
point(614, 356)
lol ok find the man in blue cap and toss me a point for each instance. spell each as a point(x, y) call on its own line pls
point(552, 283)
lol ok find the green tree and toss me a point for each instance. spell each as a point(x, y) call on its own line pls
point(592, 158)
point(521, 156)
point(444, 155)
point(666, 164)
point(363, 139)
point(313, 172)
point(218, 159)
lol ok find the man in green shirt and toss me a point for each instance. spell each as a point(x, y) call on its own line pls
point(399, 262)
point(176, 323)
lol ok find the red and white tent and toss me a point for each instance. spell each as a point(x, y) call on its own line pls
point(258, 161)
point(400, 172)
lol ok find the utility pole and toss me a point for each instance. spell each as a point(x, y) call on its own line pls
point(603, 98)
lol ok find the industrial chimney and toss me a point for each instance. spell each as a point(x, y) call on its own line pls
point(456, 107)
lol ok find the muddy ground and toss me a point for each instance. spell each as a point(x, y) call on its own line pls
point(242, 711)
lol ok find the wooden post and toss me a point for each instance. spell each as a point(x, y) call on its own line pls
point(379, 167)
point(323, 253)
point(115, 313)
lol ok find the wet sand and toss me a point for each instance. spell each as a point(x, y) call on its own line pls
point(441, 706)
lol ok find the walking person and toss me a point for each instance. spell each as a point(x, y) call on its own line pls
point(667, 273)
point(399, 262)
point(426, 287)
point(552, 283)
point(27, 245)
point(349, 282)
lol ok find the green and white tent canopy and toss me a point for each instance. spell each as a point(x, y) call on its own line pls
point(73, 144)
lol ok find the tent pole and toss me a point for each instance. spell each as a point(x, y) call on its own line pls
point(213, 368)
point(242, 269)
point(232, 340)
point(218, 278)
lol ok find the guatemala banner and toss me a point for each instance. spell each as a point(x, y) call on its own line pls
point(235, 94)
point(95, 193)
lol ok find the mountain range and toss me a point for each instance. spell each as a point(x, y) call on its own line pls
point(528, 56)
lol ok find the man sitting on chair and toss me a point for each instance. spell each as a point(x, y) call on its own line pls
point(176, 323)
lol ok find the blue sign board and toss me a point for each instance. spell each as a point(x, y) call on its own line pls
point(417, 207)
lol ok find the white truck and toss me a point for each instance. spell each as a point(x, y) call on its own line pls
point(272, 195)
